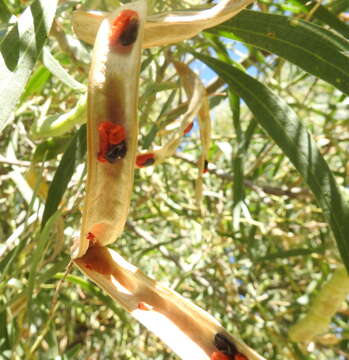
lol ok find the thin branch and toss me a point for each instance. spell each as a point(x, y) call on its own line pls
point(293, 192)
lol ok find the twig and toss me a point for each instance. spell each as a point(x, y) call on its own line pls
point(290, 192)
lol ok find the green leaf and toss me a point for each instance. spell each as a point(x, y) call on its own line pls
point(49, 149)
point(238, 183)
point(153, 88)
point(4, 12)
point(4, 336)
point(290, 253)
point(317, 51)
point(38, 255)
point(94, 291)
point(281, 123)
point(326, 16)
point(148, 139)
point(64, 173)
point(57, 69)
point(19, 51)
point(56, 125)
point(36, 82)
point(338, 6)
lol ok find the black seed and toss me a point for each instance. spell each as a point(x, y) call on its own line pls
point(223, 344)
point(129, 35)
point(149, 162)
point(116, 152)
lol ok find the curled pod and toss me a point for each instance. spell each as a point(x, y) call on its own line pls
point(112, 125)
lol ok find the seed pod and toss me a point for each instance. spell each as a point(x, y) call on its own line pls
point(165, 28)
point(188, 330)
point(112, 125)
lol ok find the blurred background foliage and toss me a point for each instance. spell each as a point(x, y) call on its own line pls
point(254, 258)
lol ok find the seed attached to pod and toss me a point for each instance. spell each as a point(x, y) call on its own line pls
point(144, 160)
point(116, 152)
point(112, 144)
point(240, 356)
point(227, 349)
point(144, 306)
point(124, 31)
point(129, 35)
point(218, 355)
point(90, 236)
point(205, 170)
point(188, 128)
point(224, 345)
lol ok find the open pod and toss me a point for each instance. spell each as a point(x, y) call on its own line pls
point(196, 93)
point(112, 126)
point(198, 105)
point(166, 28)
point(189, 79)
point(188, 330)
point(112, 142)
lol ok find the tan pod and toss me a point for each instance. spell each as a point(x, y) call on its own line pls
point(165, 28)
point(187, 329)
point(112, 97)
point(112, 100)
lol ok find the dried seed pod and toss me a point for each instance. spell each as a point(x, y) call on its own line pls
point(112, 125)
point(166, 28)
point(195, 97)
point(188, 330)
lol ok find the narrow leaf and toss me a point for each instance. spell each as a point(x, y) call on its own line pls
point(281, 123)
point(326, 16)
point(57, 69)
point(36, 82)
point(94, 291)
point(62, 176)
point(38, 255)
point(164, 28)
point(59, 124)
point(19, 51)
point(4, 336)
point(314, 49)
point(5, 13)
point(51, 148)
